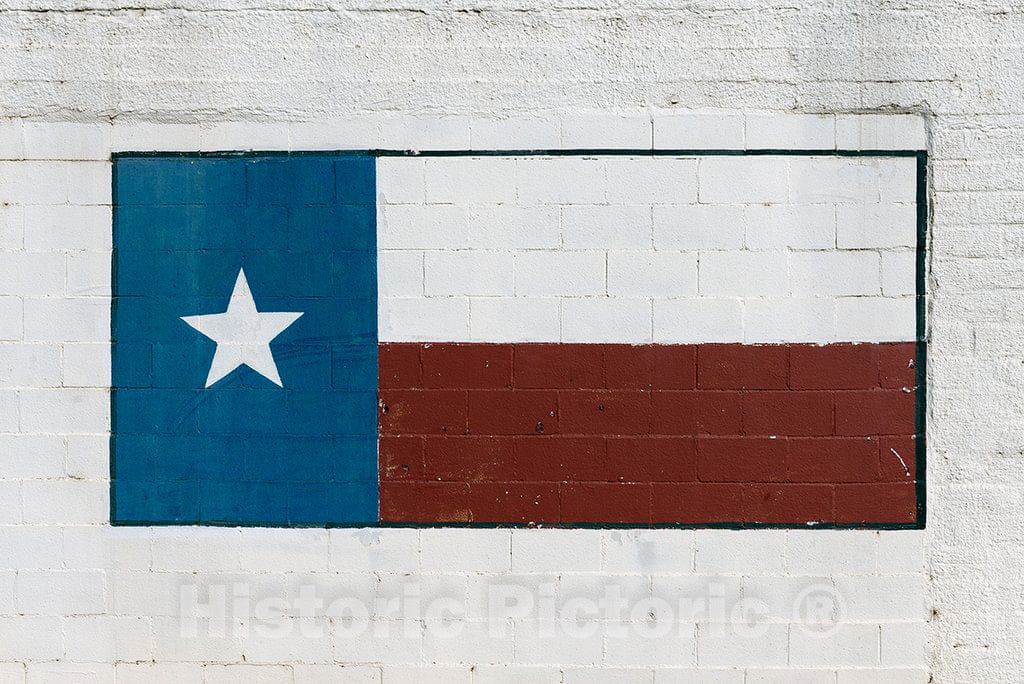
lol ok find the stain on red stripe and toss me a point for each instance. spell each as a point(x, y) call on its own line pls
point(648, 435)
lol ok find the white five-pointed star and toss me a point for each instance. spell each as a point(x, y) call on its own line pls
point(243, 334)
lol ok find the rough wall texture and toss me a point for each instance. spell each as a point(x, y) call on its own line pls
point(77, 596)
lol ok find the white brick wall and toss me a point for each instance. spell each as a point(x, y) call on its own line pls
point(389, 68)
point(536, 259)
point(780, 240)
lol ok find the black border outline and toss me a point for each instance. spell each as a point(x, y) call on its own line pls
point(921, 375)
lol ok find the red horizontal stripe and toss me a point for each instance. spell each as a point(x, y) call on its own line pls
point(655, 434)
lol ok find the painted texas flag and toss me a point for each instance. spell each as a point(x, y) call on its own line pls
point(511, 338)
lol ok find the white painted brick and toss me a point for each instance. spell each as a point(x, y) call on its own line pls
point(884, 597)
point(93, 547)
point(898, 179)
point(600, 319)
point(514, 674)
point(561, 180)
point(828, 552)
point(782, 598)
point(108, 638)
point(400, 273)
point(8, 585)
point(439, 319)
point(88, 274)
point(29, 547)
point(151, 593)
point(472, 642)
point(159, 673)
point(873, 226)
point(413, 226)
point(394, 550)
point(693, 226)
point(425, 133)
point(776, 226)
point(479, 550)
point(733, 552)
point(400, 180)
point(505, 226)
point(29, 365)
point(606, 225)
point(793, 131)
point(336, 674)
point(427, 675)
point(141, 136)
point(866, 319)
point(676, 648)
point(34, 182)
point(902, 552)
point(648, 551)
point(12, 673)
point(87, 457)
point(12, 227)
point(470, 180)
point(31, 456)
point(652, 274)
point(10, 410)
point(64, 410)
point(602, 131)
point(702, 676)
point(243, 135)
point(560, 274)
point(31, 273)
point(850, 645)
point(651, 180)
point(283, 550)
point(58, 673)
point(61, 592)
point(56, 140)
point(515, 319)
point(702, 319)
point(727, 274)
point(515, 133)
point(337, 134)
point(247, 674)
point(12, 139)
point(10, 494)
point(544, 642)
point(89, 182)
point(204, 549)
point(67, 320)
point(699, 131)
point(880, 132)
point(837, 180)
point(790, 676)
point(86, 365)
point(904, 644)
point(899, 273)
point(606, 675)
point(721, 644)
point(559, 550)
point(65, 502)
point(816, 274)
point(472, 272)
point(170, 644)
point(883, 676)
point(748, 180)
point(11, 318)
point(792, 319)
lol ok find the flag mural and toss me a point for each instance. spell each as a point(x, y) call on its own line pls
point(518, 338)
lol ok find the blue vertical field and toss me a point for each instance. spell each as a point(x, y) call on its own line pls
point(244, 451)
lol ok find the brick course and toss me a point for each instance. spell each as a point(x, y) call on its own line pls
point(752, 434)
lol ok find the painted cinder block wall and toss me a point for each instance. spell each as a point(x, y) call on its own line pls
point(80, 601)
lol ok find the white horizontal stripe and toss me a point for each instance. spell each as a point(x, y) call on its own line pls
point(647, 249)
